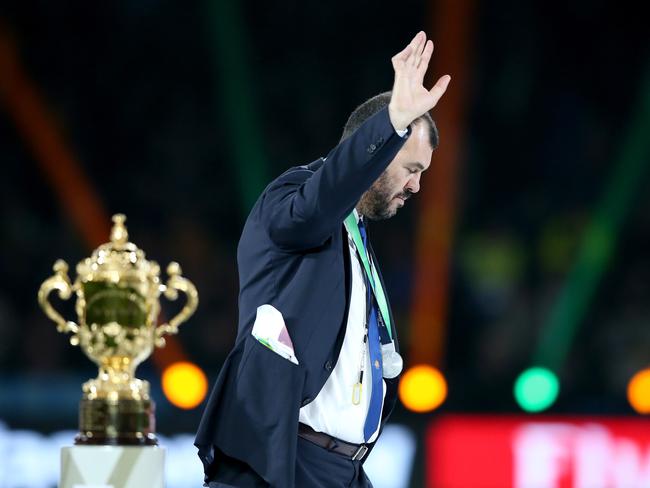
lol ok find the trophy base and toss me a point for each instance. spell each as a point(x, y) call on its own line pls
point(97, 439)
point(121, 423)
point(112, 467)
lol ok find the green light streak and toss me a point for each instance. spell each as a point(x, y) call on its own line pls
point(599, 240)
point(235, 98)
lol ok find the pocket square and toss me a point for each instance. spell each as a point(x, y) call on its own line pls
point(269, 329)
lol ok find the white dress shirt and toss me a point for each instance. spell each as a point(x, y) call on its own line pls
point(333, 411)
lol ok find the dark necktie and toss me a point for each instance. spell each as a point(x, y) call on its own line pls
point(374, 347)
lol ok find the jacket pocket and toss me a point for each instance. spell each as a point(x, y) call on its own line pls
point(262, 406)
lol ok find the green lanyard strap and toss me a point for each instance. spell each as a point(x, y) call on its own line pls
point(353, 229)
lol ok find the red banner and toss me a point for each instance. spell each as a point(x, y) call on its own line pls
point(538, 452)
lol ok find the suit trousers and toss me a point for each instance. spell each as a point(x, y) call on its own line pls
point(316, 467)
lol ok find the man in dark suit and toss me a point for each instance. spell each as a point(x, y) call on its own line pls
point(312, 378)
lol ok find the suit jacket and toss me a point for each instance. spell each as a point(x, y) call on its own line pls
point(294, 255)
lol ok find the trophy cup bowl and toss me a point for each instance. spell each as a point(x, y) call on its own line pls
point(117, 305)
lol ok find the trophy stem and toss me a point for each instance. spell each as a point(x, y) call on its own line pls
point(119, 373)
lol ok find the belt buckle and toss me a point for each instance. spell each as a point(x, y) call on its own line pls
point(360, 453)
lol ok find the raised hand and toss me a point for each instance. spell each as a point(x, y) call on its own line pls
point(410, 98)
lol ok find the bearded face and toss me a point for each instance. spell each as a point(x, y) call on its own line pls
point(383, 198)
point(401, 179)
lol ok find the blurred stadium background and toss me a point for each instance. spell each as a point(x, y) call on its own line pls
point(527, 247)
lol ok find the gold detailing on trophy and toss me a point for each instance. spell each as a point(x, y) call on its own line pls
point(177, 283)
point(60, 282)
point(117, 305)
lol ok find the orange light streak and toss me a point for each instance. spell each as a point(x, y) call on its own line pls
point(73, 188)
point(450, 29)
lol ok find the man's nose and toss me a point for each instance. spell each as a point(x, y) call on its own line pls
point(413, 183)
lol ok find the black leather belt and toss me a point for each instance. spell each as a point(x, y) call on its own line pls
point(356, 452)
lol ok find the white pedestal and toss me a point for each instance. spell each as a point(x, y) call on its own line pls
point(112, 467)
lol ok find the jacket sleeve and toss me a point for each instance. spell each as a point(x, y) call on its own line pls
point(301, 209)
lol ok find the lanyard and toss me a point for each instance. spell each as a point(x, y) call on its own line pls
point(353, 228)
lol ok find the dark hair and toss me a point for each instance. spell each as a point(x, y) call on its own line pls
point(373, 105)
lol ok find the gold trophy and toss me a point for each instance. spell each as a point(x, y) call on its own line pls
point(117, 306)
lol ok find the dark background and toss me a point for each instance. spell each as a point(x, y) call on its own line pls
point(161, 103)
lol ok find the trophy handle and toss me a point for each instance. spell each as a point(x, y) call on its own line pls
point(61, 282)
point(177, 283)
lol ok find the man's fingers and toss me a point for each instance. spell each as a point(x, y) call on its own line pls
point(408, 50)
point(417, 43)
point(426, 53)
point(403, 54)
point(439, 88)
point(424, 60)
point(417, 39)
point(410, 98)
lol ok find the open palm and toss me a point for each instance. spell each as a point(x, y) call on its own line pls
point(410, 99)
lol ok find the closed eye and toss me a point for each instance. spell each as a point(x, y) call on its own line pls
point(415, 167)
